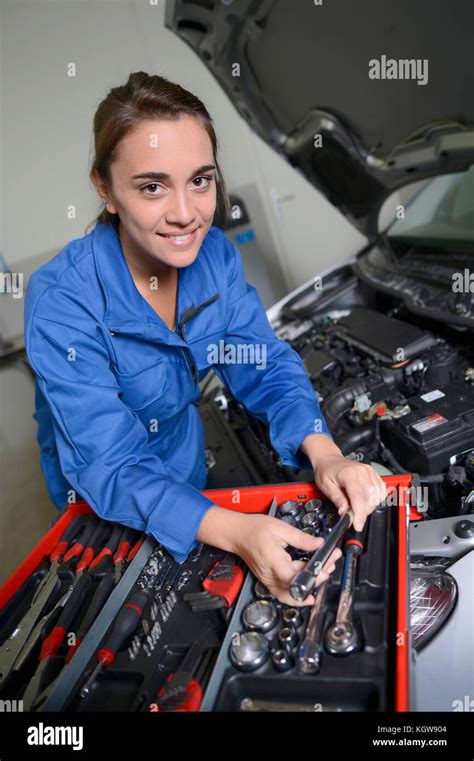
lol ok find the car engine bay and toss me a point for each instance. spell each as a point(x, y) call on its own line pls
point(396, 387)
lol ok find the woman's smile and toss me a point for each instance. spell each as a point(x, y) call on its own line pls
point(180, 240)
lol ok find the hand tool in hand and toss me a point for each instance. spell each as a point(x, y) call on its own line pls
point(260, 616)
point(249, 650)
point(182, 690)
point(309, 653)
point(304, 582)
point(124, 625)
point(82, 526)
point(222, 585)
point(341, 636)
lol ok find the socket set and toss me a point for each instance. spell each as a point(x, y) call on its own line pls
point(335, 655)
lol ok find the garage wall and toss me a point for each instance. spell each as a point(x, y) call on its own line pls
point(47, 125)
point(45, 139)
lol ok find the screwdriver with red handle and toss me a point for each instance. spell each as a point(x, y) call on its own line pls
point(71, 602)
point(124, 625)
point(103, 570)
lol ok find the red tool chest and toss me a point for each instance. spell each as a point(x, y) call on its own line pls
point(393, 648)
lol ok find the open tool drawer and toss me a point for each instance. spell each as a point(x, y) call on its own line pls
point(375, 679)
point(376, 676)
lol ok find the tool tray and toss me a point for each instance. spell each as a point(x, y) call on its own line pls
point(374, 679)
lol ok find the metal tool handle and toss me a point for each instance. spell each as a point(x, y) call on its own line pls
point(309, 651)
point(346, 598)
point(305, 580)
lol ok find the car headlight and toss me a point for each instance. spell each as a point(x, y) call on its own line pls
point(433, 596)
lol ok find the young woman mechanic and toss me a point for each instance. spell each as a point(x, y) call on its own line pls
point(123, 323)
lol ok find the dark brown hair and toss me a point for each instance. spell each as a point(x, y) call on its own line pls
point(146, 97)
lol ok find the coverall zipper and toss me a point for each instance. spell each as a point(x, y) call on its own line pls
point(192, 312)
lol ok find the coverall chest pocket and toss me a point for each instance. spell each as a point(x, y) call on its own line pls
point(146, 388)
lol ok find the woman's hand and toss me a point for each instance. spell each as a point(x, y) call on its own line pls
point(349, 484)
point(261, 540)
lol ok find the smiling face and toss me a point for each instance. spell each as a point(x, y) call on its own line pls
point(166, 211)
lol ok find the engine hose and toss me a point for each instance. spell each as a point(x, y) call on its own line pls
point(352, 440)
point(337, 404)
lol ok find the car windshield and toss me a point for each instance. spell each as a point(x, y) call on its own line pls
point(441, 217)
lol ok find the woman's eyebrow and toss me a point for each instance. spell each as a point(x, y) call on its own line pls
point(164, 176)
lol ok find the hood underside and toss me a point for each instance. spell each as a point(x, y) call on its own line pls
point(388, 87)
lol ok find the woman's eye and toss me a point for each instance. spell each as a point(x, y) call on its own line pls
point(203, 182)
point(152, 185)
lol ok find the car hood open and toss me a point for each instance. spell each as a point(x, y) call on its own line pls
point(387, 87)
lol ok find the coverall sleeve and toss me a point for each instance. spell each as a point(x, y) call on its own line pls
point(275, 387)
point(103, 445)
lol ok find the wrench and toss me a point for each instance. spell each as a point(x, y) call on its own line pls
point(310, 649)
point(304, 582)
point(341, 636)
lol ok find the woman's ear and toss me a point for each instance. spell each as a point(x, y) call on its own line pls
point(101, 189)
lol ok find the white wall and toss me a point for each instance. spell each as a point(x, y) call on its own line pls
point(48, 115)
point(46, 141)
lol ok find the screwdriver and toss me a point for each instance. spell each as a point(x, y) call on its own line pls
point(107, 583)
point(72, 566)
point(124, 625)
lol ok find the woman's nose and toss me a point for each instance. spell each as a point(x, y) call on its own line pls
point(180, 209)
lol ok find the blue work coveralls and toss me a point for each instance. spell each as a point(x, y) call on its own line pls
point(116, 389)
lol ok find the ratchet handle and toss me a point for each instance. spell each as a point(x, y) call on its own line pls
point(355, 540)
point(304, 582)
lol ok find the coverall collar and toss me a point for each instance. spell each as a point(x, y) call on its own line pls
point(126, 309)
